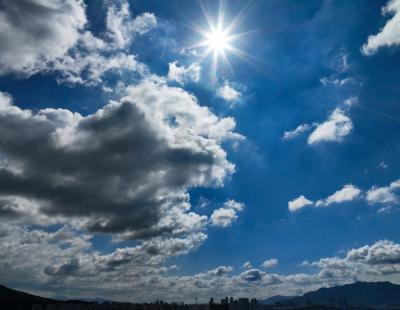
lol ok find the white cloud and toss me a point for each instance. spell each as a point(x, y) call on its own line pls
point(384, 195)
point(34, 33)
point(351, 101)
point(299, 203)
point(326, 81)
point(387, 195)
point(228, 93)
point(334, 129)
point(389, 35)
point(88, 68)
point(302, 128)
point(220, 271)
point(55, 41)
point(224, 217)
point(184, 74)
point(269, 263)
point(347, 193)
point(32, 258)
point(232, 204)
point(121, 28)
point(247, 265)
point(147, 186)
point(252, 275)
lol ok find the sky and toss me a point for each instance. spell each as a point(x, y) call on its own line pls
point(192, 149)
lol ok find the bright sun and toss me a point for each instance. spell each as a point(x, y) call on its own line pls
point(217, 41)
point(219, 38)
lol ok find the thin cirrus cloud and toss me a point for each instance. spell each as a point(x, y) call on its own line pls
point(389, 35)
point(299, 130)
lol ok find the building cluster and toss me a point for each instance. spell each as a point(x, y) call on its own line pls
point(225, 304)
point(234, 304)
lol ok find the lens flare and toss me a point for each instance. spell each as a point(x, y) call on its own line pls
point(219, 38)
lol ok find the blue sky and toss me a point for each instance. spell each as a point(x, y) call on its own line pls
point(127, 155)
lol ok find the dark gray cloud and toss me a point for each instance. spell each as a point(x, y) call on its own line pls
point(35, 258)
point(220, 271)
point(252, 275)
point(34, 32)
point(125, 169)
point(381, 253)
point(67, 269)
point(51, 37)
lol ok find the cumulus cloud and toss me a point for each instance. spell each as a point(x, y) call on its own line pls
point(34, 32)
point(269, 263)
point(299, 203)
point(224, 216)
point(291, 134)
point(247, 265)
point(124, 169)
point(338, 126)
point(33, 258)
point(228, 93)
point(232, 204)
point(183, 74)
point(381, 253)
point(220, 271)
point(252, 275)
point(349, 192)
point(385, 194)
point(89, 67)
point(389, 35)
point(55, 40)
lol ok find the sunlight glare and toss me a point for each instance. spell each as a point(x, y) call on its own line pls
point(217, 41)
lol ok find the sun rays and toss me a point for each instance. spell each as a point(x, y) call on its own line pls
point(219, 38)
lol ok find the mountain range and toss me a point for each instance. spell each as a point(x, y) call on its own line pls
point(363, 294)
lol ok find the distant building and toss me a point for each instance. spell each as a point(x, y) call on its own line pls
point(243, 304)
point(253, 304)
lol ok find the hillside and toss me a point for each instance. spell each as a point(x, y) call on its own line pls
point(12, 299)
point(358, 293)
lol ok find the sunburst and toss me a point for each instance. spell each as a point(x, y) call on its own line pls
point(219, 38)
